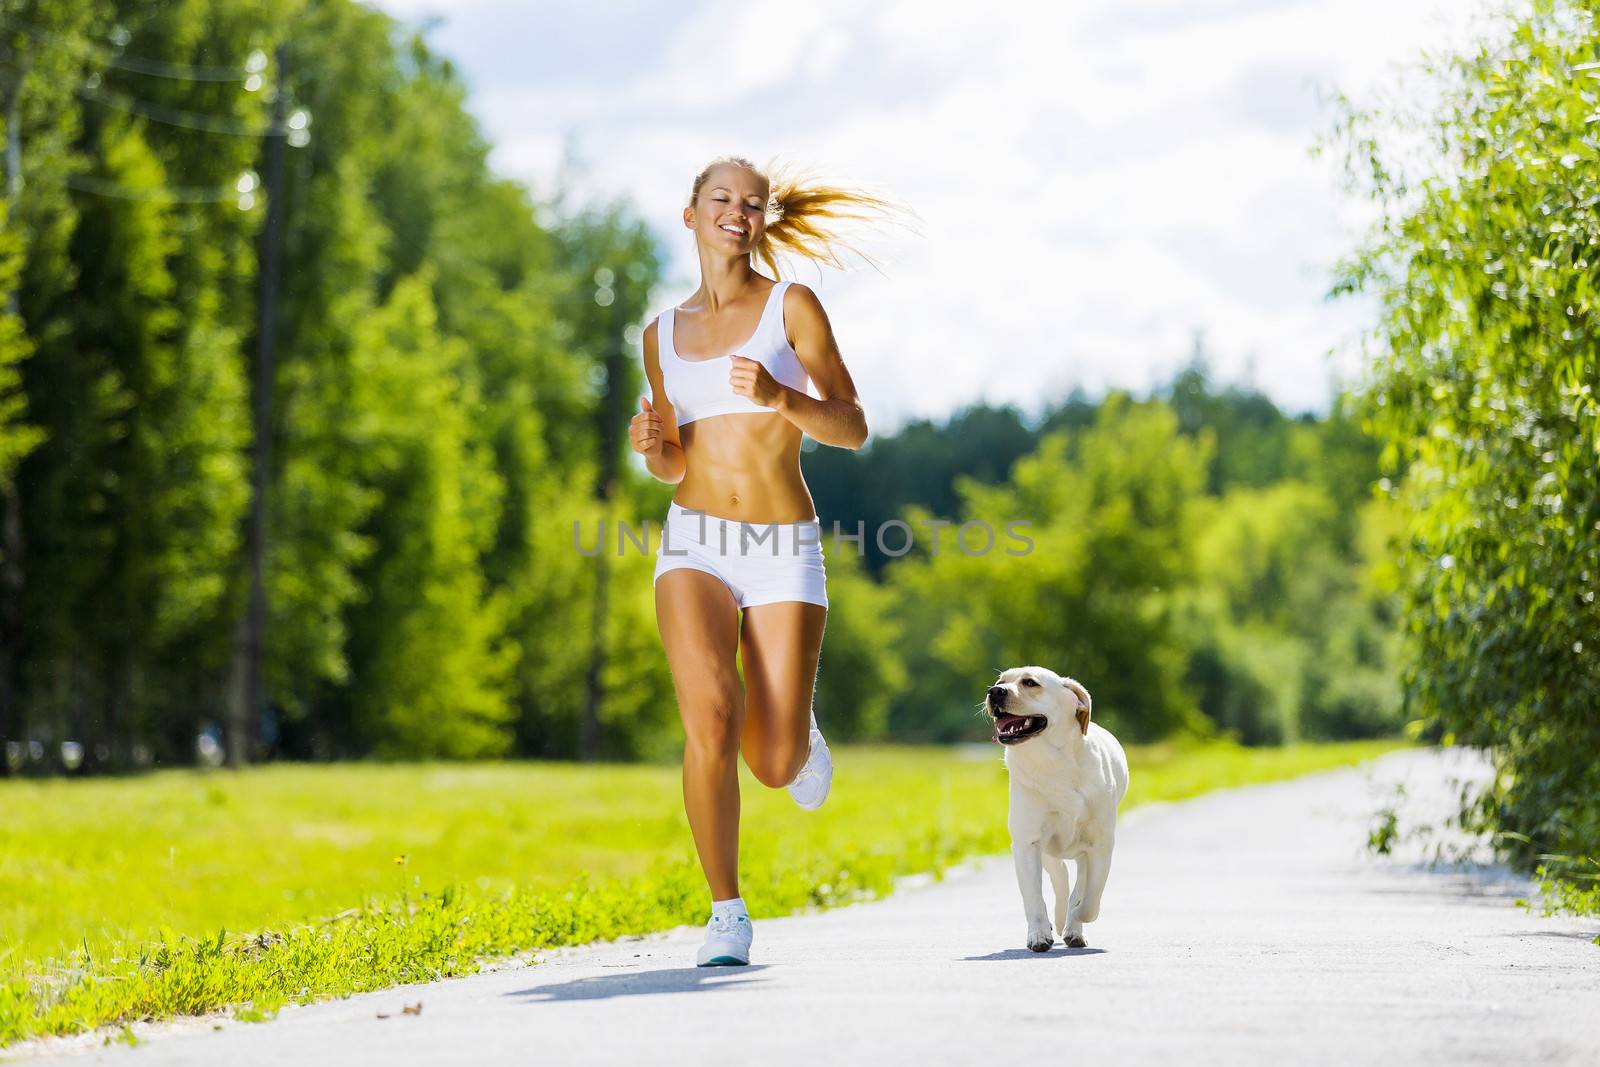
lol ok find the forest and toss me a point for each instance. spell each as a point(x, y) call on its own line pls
point(430, 369)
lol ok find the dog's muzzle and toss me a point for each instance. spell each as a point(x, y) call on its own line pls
point(1008, 728)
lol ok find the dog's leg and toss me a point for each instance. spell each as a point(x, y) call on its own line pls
point(1056, 868)
point(1093, 867)
point(1097, 882)
point(1073, 933)
point(1030, 879)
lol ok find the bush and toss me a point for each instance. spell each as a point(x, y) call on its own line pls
point(1484, 386)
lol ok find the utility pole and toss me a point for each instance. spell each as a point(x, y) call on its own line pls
point(611, 423)
point(249, 701)
point(589, 740)
point(11, 505)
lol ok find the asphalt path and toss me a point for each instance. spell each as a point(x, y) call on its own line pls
point(1248, 925)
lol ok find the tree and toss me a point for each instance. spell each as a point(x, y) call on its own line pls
point(1092, 595)
point(428, 642)
point(1486, 385)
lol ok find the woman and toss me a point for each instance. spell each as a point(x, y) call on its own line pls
point(728, 372)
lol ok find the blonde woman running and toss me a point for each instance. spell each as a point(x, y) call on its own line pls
point(739, 570)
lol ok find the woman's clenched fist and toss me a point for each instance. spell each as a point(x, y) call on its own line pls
point(645, 429)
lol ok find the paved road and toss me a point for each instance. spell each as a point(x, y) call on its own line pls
point(1246, 926)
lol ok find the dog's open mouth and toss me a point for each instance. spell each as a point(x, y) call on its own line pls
point(1009, 729)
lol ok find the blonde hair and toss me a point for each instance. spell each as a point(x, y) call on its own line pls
point(798, 213)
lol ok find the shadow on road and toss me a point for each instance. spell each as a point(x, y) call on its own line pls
point(636, 983)
point(1028, 954)
point(1565, 935)
point(1470, 881)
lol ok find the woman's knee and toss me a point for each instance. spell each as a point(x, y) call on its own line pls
point(711, 721)
point(779, 763)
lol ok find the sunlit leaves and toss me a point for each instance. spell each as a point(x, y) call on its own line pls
point(1484, 385)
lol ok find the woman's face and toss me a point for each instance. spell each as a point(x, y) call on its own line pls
point(731, 212)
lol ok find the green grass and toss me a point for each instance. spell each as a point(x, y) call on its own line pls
point(181, 891)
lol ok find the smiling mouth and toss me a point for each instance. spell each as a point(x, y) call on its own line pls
point(1009, 729)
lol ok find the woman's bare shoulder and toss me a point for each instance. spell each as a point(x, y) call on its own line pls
point(802, 300)
point(803, 314)
point(650, 342)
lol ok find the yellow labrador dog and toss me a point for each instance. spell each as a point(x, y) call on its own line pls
point(1067, 777)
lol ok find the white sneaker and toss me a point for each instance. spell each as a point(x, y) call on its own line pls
point(810, 786)
point(727, 941)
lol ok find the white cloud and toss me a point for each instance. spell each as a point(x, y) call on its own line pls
point(1098, 180)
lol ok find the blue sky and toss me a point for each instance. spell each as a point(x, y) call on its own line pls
point(1098, 179)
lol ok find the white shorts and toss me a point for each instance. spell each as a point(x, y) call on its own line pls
point(759, 562)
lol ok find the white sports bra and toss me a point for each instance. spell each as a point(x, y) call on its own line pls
point(698, 388)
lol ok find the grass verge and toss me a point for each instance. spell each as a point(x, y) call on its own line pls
point(183, 892)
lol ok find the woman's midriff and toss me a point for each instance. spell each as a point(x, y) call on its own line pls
point(744, 466)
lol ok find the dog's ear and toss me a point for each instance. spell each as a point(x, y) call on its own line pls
point(1084, 703)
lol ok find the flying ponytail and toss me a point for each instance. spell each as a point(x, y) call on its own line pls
point(801, 214)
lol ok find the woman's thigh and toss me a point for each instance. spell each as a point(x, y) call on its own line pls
point(699, 625)
point(781, 645)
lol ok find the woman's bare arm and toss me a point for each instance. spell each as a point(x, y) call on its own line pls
point(837, 418)
point(655, 430)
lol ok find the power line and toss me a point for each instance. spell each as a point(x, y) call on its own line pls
point(110, 55)
point(167, 194)
point(156, 68)
point(172, 116)
point(295, 129)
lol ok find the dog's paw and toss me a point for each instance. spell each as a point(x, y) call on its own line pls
point(1041, 942)
point(1075, 941)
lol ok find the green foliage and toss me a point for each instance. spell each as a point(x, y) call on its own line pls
point(863, 666)
point(1270, 608)
point(420, 695)
point(1104, 511)
point(1385, 832)
point(437, 338)
point(452, 369)
point(919, 464)
point(307, 899)
point(17, 436)
point(1292, 638)
point(1569, 885)
point(1485, 389)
